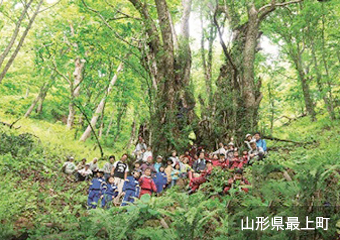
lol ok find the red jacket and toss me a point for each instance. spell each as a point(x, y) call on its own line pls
point(245, 159)
point(196, 182)
point(147, 185)
point(231, 182)
point(237, 163)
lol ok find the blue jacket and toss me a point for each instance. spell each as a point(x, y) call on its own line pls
point(131, 184)
point(262, 143)
point(97, 184)
point(110, 189)
point(160, 180)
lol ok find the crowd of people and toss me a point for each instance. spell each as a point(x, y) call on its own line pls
point(115, 184)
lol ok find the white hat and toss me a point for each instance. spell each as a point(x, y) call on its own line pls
point(248, 135)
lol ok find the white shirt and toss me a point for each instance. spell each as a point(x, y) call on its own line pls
point(146, 155)
point(93, 166)
point(107, 167)
point(174, 160)
point(139, 147)
point(69, 167)
point(219, 151)
point(85, 172)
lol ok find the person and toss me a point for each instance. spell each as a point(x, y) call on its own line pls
point(174, 158)
point(131, 188)
point(200, 164)
point(191, 159)
point(158, 163)
point(168, 171)
point(256, 153)
point(249, 137)
point(94, 166)
point(148, 164)
point(110, 191)
point(186, 170)
point(260, 142)
point(81, 165)
point(146, 183)
point(140, 145)
point(136, 166)
point(237, 161)
point(108, 167)
point(230, 151)
point(147, 154)
point(119, 171)
point(160, 180)
point(202, 178)
point(95, 190)
point(84, 174)
point(245, 157)
point(175, 174)
point(69, 166)
point(220, 150)
point(221, 162)
point(237, 181)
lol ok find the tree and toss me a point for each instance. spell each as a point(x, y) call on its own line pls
point(100, 107)
point(15, 34)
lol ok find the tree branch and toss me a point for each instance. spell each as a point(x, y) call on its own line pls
point(107, 24)
point(50, 6)
point(224, 47)
point(266, 9)
point(94, 132)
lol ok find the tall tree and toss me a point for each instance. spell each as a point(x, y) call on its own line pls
point(238, 94)
point(15, 35)
point(100, 107)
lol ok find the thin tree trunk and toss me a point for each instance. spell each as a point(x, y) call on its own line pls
point(15, 33)
point(133, 134)
point(319, 84)
point(30, 109)
point(10, 61)
point(40, 105)
point(75, 90)
point(100, 133)
point(110, 123)
point(101, 105)
point(27, 92)
point(41, 96)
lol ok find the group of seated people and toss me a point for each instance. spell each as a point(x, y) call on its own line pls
point(111, 185)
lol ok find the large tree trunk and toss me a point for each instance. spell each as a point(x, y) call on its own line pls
point(75, 90)
point(238, 94)
point(101, 105)
point(168, 63)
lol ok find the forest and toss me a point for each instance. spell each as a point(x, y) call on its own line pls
point(91, 78)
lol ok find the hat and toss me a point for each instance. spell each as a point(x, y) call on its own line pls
point(71, 158)
point(222, 154)
point(87, 164)
point(248, 135)
point(230, 144)
point(159, 156)
point(253, 141)
point(101, 171)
